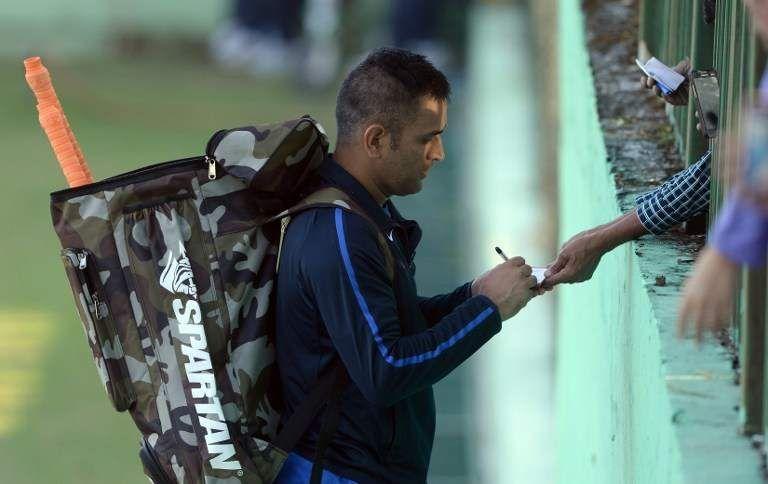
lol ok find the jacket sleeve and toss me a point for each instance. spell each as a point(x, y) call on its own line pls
point(344, 271)
point(437, 307)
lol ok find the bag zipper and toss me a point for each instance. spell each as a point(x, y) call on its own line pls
point(79, 259)
point(83, 266)
point(135, 176)
point(140, 174)
point(283, 226)
point(82, 261)
point(211, 162)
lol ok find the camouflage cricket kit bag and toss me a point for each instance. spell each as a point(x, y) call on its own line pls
point(172, 267)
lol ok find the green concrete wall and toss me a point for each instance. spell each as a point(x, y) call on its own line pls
point(613, 411)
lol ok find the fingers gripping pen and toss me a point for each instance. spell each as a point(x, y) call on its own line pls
point(537, 272)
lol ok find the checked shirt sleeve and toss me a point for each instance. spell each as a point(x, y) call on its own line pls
point(677, 200)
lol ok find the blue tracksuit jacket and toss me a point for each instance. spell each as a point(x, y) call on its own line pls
point(335, 298)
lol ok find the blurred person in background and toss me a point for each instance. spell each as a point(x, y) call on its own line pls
point(279, 39)
point(416, 26)
point(304, 37)
point(740, 233)
point(261, 36)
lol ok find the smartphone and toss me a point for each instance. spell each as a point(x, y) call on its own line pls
point(706, 93)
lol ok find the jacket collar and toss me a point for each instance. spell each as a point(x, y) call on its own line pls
point(333, 173)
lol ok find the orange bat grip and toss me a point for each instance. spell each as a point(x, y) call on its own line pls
point(55, 124)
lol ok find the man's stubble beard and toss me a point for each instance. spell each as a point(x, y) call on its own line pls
point(408, 176)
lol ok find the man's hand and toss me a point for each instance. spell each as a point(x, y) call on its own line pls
point(577, 259)
point(680, 96)
point(708, 294)
point(509, 285)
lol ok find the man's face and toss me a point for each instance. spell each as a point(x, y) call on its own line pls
point(419, 148)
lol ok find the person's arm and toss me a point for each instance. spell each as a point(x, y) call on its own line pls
point(437, 307)
point(579, 257)
point(357, 305)
point(678, 199)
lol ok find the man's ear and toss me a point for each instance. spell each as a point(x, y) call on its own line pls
point(375, 140)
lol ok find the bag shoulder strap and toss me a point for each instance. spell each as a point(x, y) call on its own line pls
point(333, 197)
point(330, 386)
point(330, 422)
point(302, 418)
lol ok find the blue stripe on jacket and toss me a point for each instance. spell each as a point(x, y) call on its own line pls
point(411, 360)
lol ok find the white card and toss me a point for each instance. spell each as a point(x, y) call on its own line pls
point(538, 273)
point(641, 66)
point(667, 78)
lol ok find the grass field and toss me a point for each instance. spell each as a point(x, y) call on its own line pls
point(55, 422)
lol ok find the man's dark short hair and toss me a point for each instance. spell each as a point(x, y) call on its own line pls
point(386, 88)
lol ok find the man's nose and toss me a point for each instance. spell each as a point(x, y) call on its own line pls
point(437, 153)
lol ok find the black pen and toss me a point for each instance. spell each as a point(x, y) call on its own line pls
point(502, 254)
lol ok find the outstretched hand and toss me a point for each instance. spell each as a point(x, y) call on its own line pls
point(576, 261)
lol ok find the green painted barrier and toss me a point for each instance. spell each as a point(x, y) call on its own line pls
point(601, 423)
